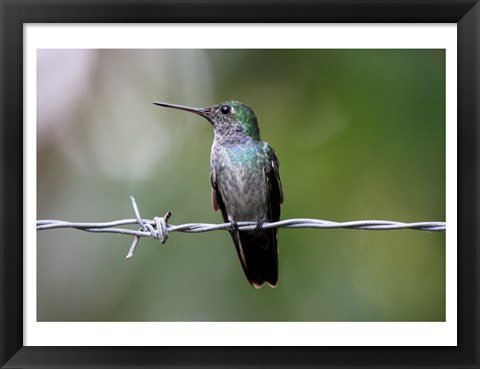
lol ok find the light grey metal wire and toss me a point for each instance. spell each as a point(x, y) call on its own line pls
point(159, 229)
point(110, 227)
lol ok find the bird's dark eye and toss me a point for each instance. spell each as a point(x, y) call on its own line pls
point(225, 109)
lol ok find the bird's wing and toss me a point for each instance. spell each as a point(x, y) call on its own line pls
point(275, 192)
point(217, 201)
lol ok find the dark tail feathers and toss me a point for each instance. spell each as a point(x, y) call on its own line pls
point(258, 254)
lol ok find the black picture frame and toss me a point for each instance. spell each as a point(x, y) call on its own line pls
point(14, 14)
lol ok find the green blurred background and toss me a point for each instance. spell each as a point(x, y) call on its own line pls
point(360, 135)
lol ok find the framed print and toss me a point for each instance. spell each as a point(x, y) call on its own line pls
point(373, 112)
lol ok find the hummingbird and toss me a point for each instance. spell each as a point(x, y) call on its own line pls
point(246, 185)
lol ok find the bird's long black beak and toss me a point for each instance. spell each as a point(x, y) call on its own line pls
point(204, 112)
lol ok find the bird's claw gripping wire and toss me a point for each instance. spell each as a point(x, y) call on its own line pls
point(233, 224)
point(259, 225)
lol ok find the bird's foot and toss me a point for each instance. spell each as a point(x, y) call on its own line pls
point(233, 224)
point(259, 225)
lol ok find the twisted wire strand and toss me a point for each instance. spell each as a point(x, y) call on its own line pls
point(110, 227)
point(159, 229)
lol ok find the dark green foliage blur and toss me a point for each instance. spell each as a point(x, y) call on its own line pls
point(360, 134)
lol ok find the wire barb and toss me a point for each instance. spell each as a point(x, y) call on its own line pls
point(159, 229)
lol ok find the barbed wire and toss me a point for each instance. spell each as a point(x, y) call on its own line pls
point(159, 229)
